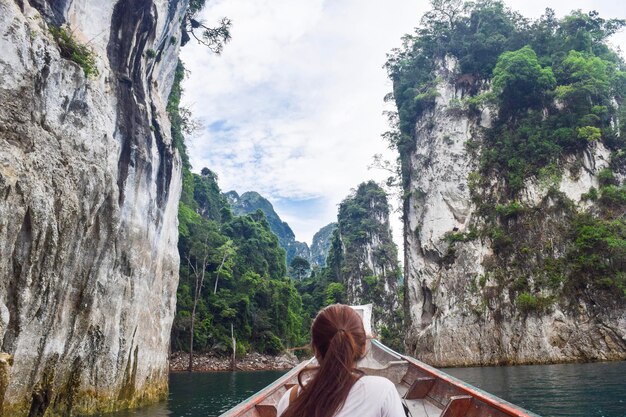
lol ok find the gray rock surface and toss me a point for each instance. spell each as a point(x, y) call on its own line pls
point(451, 320)
point(320, 244)
point(89, 190)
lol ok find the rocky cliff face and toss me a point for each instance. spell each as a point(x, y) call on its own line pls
point(364, 258)
point(89, 189)
point(320, 245)
point(469, 284)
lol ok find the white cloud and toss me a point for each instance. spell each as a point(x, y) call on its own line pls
point(298, 97)
point(293, 106)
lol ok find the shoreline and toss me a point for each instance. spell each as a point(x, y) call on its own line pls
point(206, 362)
point(534, 363)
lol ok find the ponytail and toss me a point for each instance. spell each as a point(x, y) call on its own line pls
point(338, 338)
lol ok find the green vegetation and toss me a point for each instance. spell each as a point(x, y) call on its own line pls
point(519, 81)
point(512, 209)
point(180, 121)
point(555, 90)
point(232, 271)
point(245, 277)
point(452, 237)
point(597, 256)
point(71, 49)
point(532, 303)
point(554, 81)
point(213, 38)
point(252, 201)
point(299, 268)
point(358, 222)
point(362, 221)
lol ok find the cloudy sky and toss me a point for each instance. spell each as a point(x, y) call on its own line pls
point(293, 107)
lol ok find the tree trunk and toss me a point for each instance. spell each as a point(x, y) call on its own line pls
point(217, 276)
point(190, 366)
point(198, 290)
point(193, 319)
point(232, 335)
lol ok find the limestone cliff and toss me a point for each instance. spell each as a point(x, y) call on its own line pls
point(320, 245)
point(364, 258)
point(89, 190)
point(489, 279)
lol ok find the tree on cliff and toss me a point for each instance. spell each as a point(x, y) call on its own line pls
point(227, 251)
point(520, 81)
point(213, 38)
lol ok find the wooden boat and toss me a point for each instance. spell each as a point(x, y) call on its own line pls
point(425, 391)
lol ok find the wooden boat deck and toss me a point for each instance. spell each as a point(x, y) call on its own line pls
point(426, 391)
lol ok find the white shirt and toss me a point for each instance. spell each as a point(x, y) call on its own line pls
point(370, 396)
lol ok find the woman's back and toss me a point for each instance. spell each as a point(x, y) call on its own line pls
point(370, 396)
point(337, 388)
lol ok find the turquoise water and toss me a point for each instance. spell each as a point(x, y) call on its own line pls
point(574, 390)
point(571, 390)
point(201, 394)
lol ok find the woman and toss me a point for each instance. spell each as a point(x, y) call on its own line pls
point(338, 389)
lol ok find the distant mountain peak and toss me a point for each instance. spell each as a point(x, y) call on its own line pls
point(250, 201)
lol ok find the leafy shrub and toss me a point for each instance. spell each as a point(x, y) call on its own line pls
point(335, 293)
point(271, 344)
point(501, 240)
point(528, 303)
point(512, 209)
point(598, 254)
point(612, 196)
point(589, 133)
point(452, 237)
point(606, 177)
point(592, 194)
point(74, 51)
point(519, 80)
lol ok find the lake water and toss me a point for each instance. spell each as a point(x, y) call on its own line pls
point(569, 390)
point(573, 390)
point(201, 394)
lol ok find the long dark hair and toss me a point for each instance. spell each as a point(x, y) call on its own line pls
point(338, 338)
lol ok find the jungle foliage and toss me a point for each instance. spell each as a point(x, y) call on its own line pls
point(555, 81)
